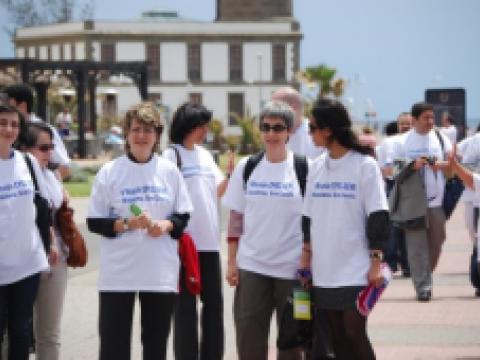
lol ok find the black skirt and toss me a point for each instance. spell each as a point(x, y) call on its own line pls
point(340, 298)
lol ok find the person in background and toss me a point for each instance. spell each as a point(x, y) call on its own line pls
point(367, 138)
point(298, 139)
point(265, 236)
point(21, 96)
point(140, 206)
point(421, 146)
point(205, 183)
point(22, 255)
point(346, 213)
point(448, 128)
point(64, 121)
point(38, 141)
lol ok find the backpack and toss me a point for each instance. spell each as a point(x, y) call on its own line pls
point(299, 163)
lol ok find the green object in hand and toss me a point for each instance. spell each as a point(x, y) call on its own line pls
point(135, 209)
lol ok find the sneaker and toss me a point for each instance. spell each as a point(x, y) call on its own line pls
point(477, 292)
point(424, 296)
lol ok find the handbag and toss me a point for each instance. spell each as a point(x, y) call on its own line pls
point(44, 218)
point(78, 254)
point(453, 191)
point(190, 263)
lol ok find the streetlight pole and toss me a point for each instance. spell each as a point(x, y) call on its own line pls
point(260, 95)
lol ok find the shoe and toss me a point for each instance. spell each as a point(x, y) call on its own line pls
point(477, 292)
point(424, 296)
point(406, 273)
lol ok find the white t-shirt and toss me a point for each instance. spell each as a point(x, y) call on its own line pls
point(340, 195)
point(471, 156)
point(450, 132)
point(60, 154)
point(202, 176)
point(385, 151)
point(133, 260)
point(413, 146)
point(301, 143)
point(21, 248)
point(271, 205)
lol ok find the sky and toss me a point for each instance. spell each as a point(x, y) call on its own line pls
point(389, 51)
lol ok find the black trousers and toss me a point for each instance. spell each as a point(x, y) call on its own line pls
point(186, 339)
point(115, 324)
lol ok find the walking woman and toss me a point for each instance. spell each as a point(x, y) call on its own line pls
point(22, 255)
point(140, 205)
point(38, 141)
point(265, 235)
point(346, 206)
point(205, 183)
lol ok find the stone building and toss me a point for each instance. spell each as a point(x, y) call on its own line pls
point(231, 64)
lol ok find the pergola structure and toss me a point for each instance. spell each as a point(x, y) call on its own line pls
point(83, 75)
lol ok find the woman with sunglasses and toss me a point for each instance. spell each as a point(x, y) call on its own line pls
point(140, 206)
point(346, 207)
point(38, 141)
point(22, 255)
point(265, 235)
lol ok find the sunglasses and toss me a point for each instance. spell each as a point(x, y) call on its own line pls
point(278, 128)
point(46, 147)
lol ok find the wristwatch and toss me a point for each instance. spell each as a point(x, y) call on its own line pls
point(125, 224)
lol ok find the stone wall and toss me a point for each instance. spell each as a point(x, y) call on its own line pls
point(253, 9)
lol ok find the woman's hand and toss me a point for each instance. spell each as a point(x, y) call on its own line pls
point(142, 221)
point(232, 273)
point(53, 257)
point(159, 227)
point(375, 276)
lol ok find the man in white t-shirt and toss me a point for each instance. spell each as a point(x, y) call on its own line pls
point(448, 127)
point(299, 140)
point(428, 150)
point(21, 97)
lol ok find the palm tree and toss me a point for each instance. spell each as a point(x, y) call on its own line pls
point(323, 76)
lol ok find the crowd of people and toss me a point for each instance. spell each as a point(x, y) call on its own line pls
point(310, 210)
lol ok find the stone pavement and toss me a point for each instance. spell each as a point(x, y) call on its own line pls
point(448, 327)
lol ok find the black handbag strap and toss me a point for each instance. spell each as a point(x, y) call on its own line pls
point(177, 156)
point(32, 172)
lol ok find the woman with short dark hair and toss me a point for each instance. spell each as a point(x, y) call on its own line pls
point(205, 183)
point(22, 255)
point(140, 206)
point(346, 208)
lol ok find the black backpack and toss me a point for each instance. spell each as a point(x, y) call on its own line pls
point(299, 163)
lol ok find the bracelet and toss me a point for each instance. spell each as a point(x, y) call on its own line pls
point(376, 254)
point(125, 224)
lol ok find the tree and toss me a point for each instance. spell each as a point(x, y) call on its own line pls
point(39, 12)
point(323, 76)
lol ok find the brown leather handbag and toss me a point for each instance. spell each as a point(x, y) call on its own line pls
point(78, 254)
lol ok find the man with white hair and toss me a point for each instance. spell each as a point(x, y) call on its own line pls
point(299, 140)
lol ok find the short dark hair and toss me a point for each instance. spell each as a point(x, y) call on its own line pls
point(33, 129)
point(278, 109)
point(21, 93)
point(419, 108)
point(391, 128)
point(187, 117)
point(4, 108)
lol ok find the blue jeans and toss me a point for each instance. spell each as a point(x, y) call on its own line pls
point(16, 308)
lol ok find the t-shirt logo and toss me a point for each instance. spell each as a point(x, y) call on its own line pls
point(18, 188)
point(270, 188)
point(335, 189)
point(145, 193)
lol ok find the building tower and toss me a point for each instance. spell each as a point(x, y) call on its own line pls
point(248, 10)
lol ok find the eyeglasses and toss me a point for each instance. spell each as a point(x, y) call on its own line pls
point(45, 147)
point(312, 127)
point(277, 128)
point(146, 130)
point(13, 124)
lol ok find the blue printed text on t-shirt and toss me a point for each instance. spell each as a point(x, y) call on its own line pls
point(270, 188)
point(335, 189)
point(144, 193)
point(196, 170)
point(16, 189)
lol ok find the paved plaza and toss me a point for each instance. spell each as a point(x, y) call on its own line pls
point(448, 327)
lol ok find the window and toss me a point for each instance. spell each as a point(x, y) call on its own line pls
point(153, 58)
point(49, 53)
point(195, 98)
point(194, 62)
point(236, 62)
point(72, 52)
point(107, 52)
point(61, 54)
point(235, 107)
point(279, 62)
